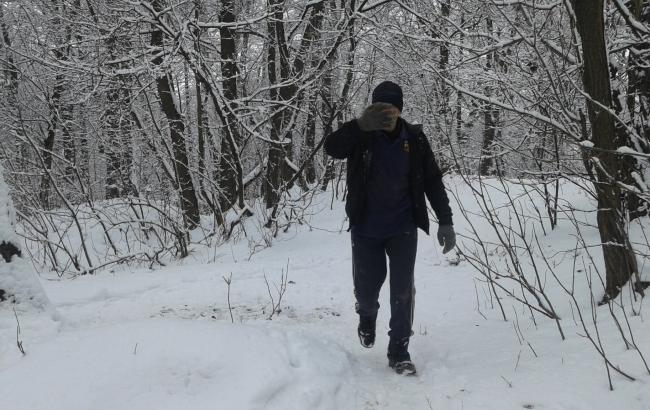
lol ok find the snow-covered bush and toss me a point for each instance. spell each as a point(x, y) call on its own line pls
point(549, 266)
point(18, 281)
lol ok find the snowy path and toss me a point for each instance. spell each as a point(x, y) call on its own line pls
point(163, 340)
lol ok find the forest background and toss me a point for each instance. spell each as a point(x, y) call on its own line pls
point(135, 132)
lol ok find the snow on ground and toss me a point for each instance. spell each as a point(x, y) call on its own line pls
point(164, 339)
point(179, 364)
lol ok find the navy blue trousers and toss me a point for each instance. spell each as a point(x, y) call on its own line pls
point(369, 274)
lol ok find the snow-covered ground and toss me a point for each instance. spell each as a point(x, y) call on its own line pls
point(163, 339)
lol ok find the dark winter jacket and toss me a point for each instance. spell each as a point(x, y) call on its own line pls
point(389, 206)
point(349, 142)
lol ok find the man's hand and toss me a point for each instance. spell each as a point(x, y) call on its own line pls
point(446, 237)
point(378, 116)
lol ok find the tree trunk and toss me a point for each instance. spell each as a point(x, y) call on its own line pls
point(310, 141)
point(620, 260)
point(278, 148)
point(638, 105)
point(56, 108)
point(334, 107)
point(15, 147)
point(203, 130)
point(118, 144)
point(230, 178)
point(54, 105)
point(10, 69)
point(310, 36)
point(329, 103)
point(461, 136)
point(491, 113)
point(444, 107)
point(118, 125)
point(189, 201)
point(491, 119)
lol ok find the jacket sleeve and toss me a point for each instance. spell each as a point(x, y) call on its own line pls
point(341, 143)
point(434, 188)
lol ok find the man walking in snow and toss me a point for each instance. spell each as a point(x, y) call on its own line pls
point(390, 170)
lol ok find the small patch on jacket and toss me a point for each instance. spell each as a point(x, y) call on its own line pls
point(406, 147)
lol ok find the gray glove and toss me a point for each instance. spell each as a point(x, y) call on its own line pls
point(446, 237)
point(378, 116)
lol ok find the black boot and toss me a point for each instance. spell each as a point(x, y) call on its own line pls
point(399, 358)
point(366, 331)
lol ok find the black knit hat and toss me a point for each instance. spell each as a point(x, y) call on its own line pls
point(388, 92)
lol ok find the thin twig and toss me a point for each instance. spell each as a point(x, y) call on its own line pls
point(19, 342)
point(228, 281)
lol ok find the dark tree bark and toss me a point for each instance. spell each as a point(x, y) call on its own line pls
point(638, 94)
point(310, 36)
point(230, 175)
point(277, 61)
point(443, 64)
point(68, 110)
point(203, 129)
point(328, 103)
point(60, 112)
point(620, 260)
point(10, 69)
point(118, 145)
point(10, 74)
point(189, 201)
point(490, 136)
point(637, 101)
point(335, 108)
point(280, 173)
point(55, 108)
point(461, 136)
point(310, 141)
point(48, 144)
point(118, 122)
point(491, 114)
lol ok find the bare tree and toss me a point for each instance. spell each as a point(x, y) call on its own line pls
point(620, 260)
point(230, 168)
point(189, 201)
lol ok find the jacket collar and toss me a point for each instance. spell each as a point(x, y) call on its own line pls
point(413, 129)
